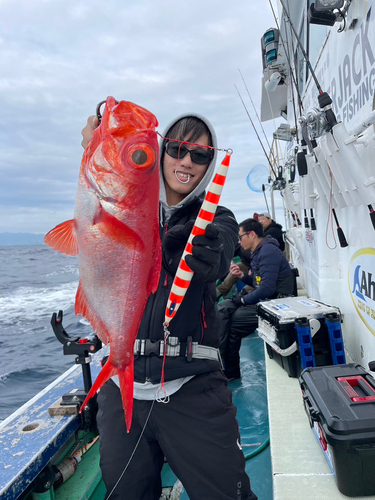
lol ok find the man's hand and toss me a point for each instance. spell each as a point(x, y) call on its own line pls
point(206, 254)
point(88, 131)
point(238, 300)
point(236, 271)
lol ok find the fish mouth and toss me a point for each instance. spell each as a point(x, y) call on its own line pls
point(182, 177)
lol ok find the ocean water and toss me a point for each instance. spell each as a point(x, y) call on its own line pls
point(35, 282)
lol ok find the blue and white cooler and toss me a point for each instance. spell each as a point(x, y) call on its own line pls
point(301, 332)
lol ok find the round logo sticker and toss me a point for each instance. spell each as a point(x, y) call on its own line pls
point(362, 285)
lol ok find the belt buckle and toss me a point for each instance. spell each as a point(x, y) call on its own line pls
point(152, 347)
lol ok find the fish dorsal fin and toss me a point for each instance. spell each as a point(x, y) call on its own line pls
point(117, 231)
point(62, 238)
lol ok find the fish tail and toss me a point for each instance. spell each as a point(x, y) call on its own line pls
point(126, 378)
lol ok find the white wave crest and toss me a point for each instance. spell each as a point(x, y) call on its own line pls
point(28, 303)
point(64, 270)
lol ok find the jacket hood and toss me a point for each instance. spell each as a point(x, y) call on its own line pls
point(267, 240)
point(199, 190)
point(275, 224)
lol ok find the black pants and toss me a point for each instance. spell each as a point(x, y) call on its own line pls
point(196, 431)
point(236, 322)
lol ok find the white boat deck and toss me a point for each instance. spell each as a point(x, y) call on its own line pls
point(300, 470)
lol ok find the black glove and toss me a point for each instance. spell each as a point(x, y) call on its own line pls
point(206, 255)
point(173, 245)
point(238, 299)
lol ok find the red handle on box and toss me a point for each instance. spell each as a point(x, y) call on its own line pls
point(347, 384)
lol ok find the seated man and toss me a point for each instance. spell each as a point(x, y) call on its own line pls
point(271, 276)
point(230, 280)
point(272, 228)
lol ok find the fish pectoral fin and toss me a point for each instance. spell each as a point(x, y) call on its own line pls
point(62, 238)
point(117, 231)
point(153, 280)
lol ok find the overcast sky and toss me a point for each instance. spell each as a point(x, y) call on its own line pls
point(59, 58)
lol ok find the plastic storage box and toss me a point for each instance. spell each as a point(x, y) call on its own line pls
point(340, 404)
point(301, 332)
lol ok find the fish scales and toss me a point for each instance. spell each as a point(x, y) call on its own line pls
point(115, 233)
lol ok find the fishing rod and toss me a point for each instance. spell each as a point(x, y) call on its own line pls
point(295, 82)
point(265, 197)
point(305, 141)
point(260, 123)
point(302, 167)
point(255, 130)
point(325, 102)
point(340, 232)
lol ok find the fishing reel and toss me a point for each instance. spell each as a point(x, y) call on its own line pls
point(315, 122)
point(290, 163)
point(278, 184)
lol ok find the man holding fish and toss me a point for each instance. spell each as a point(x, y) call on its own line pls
point(190, 419)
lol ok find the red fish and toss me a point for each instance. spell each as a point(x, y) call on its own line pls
point(115, 233)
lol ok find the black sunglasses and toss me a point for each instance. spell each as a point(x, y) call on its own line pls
point(199, 156)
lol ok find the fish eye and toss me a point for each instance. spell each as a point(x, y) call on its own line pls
point(141, 156)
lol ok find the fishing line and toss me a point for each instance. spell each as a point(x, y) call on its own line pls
point(229, 151)
point(290, 66)
point(260, 123)
point(325, 102)
point(133, 452)
point(274, 124)
point(294, 77)
point(265, 197)
point(302, 49)
point(255, 130)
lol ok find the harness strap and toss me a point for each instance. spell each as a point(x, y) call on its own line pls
point(175, 348)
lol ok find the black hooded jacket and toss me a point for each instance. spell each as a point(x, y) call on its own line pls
point(275, 230)
point(196, 316)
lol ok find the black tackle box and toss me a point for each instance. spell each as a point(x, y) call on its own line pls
point(301, 332)
point(340, 404)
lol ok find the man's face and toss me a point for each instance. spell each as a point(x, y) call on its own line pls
point(182, 175)
point(265, 221)
point(246, 238)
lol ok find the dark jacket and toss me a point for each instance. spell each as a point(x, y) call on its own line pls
point(271, 273)
point(245, 255)
point(275, 230)
point(196, 316)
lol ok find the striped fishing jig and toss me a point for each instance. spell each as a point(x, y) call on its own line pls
point(206, 215)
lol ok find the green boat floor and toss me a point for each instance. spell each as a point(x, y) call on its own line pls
point(250, 397)
point(86, 483)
